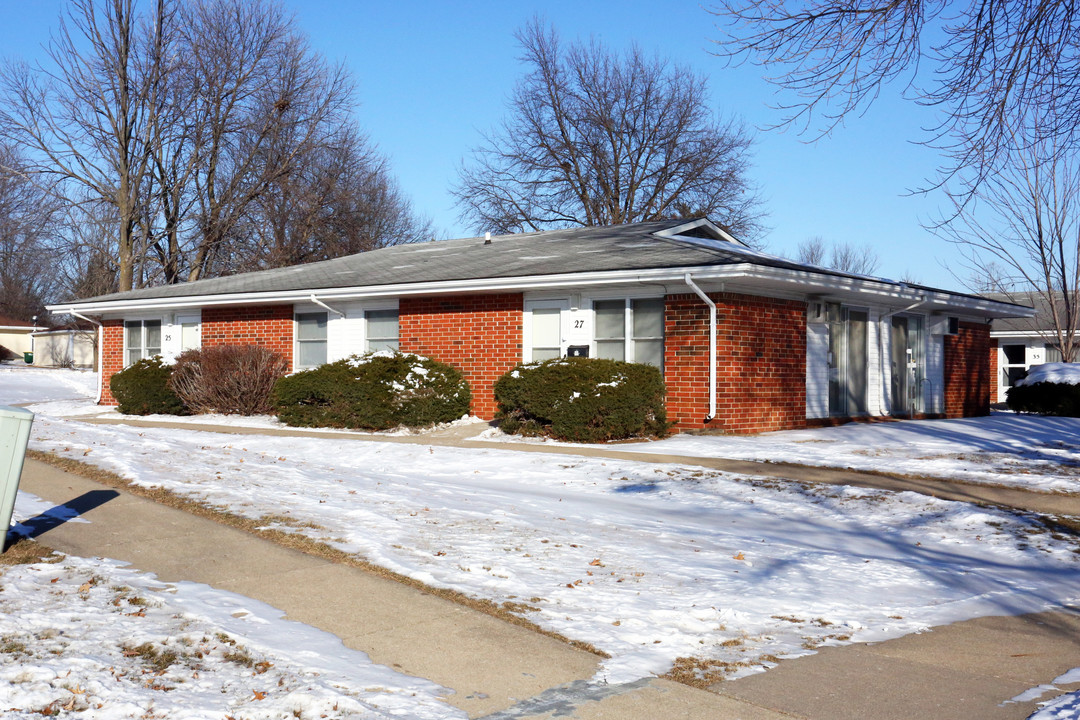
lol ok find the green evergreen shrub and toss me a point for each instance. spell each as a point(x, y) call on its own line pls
point(143, 389)
point(375, 391)
point(1045, 398)
point(229, 379)
point(582, 400)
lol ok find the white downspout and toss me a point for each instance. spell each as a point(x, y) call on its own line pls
point(880, 342)
point(712, 345)
point(321, 304)
point(100, 351)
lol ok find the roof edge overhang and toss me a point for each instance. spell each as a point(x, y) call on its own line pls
point(801, 281)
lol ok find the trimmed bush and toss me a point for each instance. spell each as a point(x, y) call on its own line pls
point(228, 379)
point(1045, 398)
point(582, 400)
point(375, 391)
point(143, 389)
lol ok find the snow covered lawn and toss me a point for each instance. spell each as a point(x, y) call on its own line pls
point(91, 637)
point(20, 384)
point(648, 562)
point(1029, 451)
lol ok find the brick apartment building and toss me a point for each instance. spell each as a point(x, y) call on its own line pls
point(747, 342)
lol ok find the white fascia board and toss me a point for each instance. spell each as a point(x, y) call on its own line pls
point(810, 283)
point(1034, 333)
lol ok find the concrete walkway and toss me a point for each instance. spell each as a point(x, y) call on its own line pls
point(491, 666)
point(502, 672)
point(466, 436)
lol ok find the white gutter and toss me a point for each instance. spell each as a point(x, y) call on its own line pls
point(320, 303)
point(100, 351)
point(712, 344)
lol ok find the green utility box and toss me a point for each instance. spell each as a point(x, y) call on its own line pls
point(14, 435)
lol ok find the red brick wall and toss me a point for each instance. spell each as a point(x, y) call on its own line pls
point(993, 371)
point(967, 371)
point(112, 356)
point(761, 362)
point(269, 326)
point(478, 334)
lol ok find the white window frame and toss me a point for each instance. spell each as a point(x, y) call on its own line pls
point(142, 338)
point(367, 326)
point(297, 341)
point(629, 339)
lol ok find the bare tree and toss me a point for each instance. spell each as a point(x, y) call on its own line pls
point(991, 62)
point(845, 257)
point(339, 199)
point(264, 98)
point(812, 251)
point(84, 120)
point(88, 259)
point(169, 134)
point(1021, 234)
point(28, 233)
point(857, 259)
point(595, 138)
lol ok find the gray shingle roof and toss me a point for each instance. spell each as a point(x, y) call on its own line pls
point(552, 252)
point(1041, 322)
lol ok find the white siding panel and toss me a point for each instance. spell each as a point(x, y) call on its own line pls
point(345, 335)
point(934, 390)
point(875, 389)
point(817, 370)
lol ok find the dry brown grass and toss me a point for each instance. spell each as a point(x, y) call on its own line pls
point(25, 552)
point(703, 673)
point(294, 541)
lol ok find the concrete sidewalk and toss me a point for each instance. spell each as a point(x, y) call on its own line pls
point(502, 672)
point(491, 666)
point(466, 436)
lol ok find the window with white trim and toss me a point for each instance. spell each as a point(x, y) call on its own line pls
point(142, 339)
point(310, 339)
point(630, 329)
point(382, 330)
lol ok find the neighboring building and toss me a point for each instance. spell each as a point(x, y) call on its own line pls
point(794, 344)
point(1019, 343)
point(65, 348)
point(15, 336)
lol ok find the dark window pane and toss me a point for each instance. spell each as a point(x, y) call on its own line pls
point(1015, 354)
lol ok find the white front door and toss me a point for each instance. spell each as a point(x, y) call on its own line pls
point(545, 329)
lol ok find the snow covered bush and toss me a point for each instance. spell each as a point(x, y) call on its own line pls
point(1049, 389)
point(582, 400)
point(143, 389)
point(375, 391)
point(229, 379)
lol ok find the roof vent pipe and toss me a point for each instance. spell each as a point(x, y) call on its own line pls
point(712, 345)
point(487, 238)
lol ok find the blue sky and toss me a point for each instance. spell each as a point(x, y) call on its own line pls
point(432, 75)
